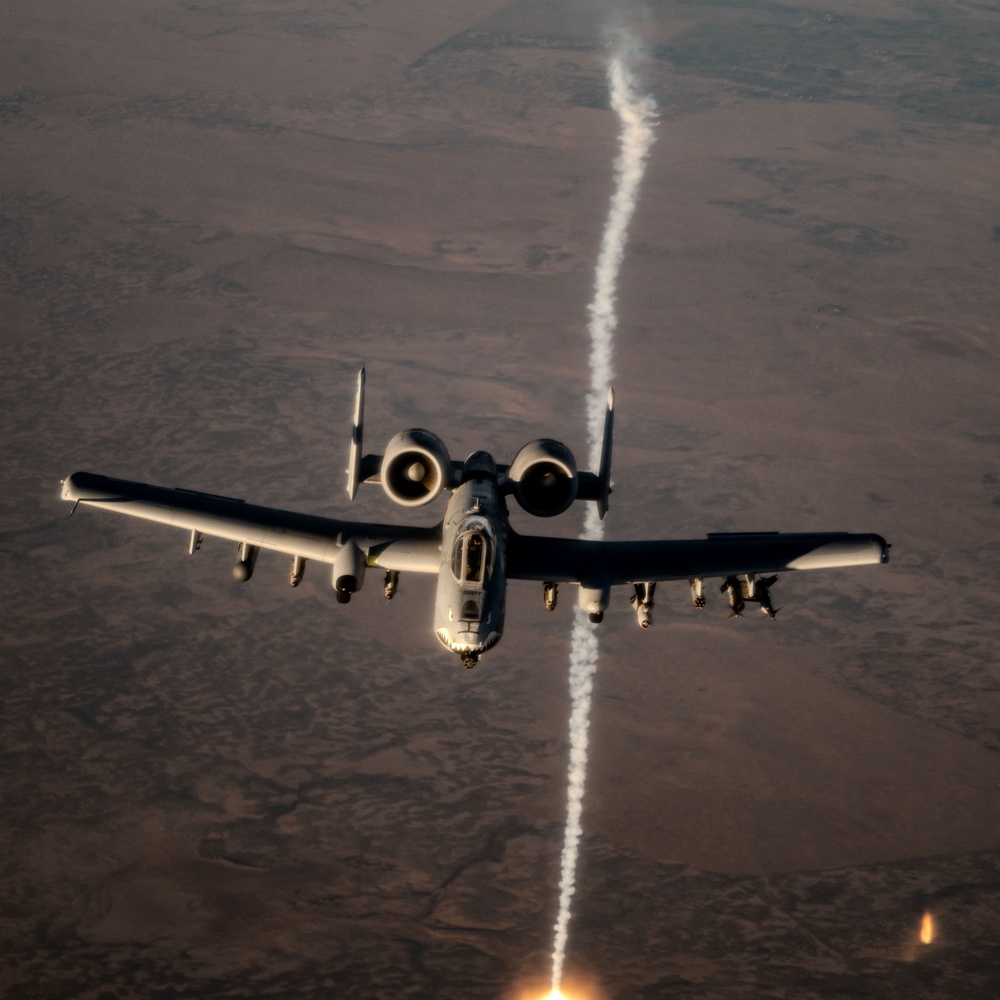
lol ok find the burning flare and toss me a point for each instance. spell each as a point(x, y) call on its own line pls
point(577, 989)
point(927, 928)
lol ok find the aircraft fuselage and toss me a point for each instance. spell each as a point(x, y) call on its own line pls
point(472, 581)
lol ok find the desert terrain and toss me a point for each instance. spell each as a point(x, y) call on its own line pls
point(212, 214)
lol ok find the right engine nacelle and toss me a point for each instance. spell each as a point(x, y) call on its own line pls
point(415, 467)
point(543, 475)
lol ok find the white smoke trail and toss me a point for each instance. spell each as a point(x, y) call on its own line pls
point(636, 113)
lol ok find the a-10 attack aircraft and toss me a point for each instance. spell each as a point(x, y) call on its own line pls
point(474, 551)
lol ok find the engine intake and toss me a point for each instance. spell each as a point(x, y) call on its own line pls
point(415, 467)
point(544, 478)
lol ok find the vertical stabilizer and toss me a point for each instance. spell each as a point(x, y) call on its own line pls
point(354, 464)
point(604, 476)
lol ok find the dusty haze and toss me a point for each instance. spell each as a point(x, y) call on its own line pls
point(212, 214)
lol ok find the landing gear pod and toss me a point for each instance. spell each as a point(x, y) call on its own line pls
point(348, 571)
point(415, 467)
point(595, 601)
point(544, 478)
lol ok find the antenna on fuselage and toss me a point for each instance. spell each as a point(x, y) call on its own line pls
point(354, 462)
point(604, 476)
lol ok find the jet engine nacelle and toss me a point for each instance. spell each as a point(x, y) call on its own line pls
point(543, 477)
point(415, 467)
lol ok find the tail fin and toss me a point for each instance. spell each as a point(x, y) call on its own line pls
point(604, 475)
point(354, 463)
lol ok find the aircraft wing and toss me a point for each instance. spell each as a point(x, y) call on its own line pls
point(599, 563)
point(316, 538)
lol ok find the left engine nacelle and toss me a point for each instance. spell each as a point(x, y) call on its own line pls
point(415, 467)
point(543, 475)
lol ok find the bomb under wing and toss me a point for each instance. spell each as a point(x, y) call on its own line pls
point(473, 551)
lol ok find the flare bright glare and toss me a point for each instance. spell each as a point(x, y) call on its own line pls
point(577, 988)
point(927, 929)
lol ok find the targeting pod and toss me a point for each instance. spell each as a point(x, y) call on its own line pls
point(642, 603)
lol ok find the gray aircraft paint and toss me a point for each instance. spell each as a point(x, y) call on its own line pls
point(469, 613)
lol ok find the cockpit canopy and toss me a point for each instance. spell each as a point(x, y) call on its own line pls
point(474, 555)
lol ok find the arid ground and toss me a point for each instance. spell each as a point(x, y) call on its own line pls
point(212, 213)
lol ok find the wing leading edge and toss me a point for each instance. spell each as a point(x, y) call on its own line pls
point(529, 557)
point(602, 564)
point(322, 539)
